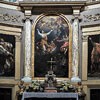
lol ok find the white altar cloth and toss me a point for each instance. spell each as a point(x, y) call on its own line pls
point(49, 95)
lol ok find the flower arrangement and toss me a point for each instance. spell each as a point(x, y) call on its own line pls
point(39, 86)
point(36, 86)
point(65, 86)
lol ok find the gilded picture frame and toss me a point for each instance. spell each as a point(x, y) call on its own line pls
point(47, 20)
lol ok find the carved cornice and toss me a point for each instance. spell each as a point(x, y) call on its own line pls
point(28, 3)
point(90, 18)
point(8, 17)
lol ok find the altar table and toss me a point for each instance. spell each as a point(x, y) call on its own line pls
point(49, 95)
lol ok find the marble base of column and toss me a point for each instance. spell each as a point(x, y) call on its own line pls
point(75, 79)
point(27, 79)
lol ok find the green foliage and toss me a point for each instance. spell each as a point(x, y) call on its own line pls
point(36, 86)
point(39, 86)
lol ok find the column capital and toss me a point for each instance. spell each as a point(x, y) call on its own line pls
point(27, 18)
point(18, 38)
point(76, 17)
point(85, 38)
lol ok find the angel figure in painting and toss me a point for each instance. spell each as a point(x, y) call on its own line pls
point(44, 39)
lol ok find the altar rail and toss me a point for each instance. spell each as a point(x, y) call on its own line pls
point(49, 95)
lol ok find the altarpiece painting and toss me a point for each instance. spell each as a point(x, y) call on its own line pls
point(51, 43)
point(94, 56)
point(7, 55)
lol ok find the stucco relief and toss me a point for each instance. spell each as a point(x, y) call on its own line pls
point(91, 17)
point(8, 17)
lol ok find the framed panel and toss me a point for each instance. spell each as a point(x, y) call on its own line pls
point(51, 42)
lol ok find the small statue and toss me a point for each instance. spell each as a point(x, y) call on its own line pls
point(22, 87)
point(79, 89)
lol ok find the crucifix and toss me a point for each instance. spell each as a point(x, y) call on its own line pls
point(51, 61)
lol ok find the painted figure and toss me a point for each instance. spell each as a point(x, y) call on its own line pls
point(44, 40)
point(5, 47)
point(6, 51)
point(51, 40)
point(95, 57)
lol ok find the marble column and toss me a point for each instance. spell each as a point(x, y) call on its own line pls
point(75, 50)
point(27, 60)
